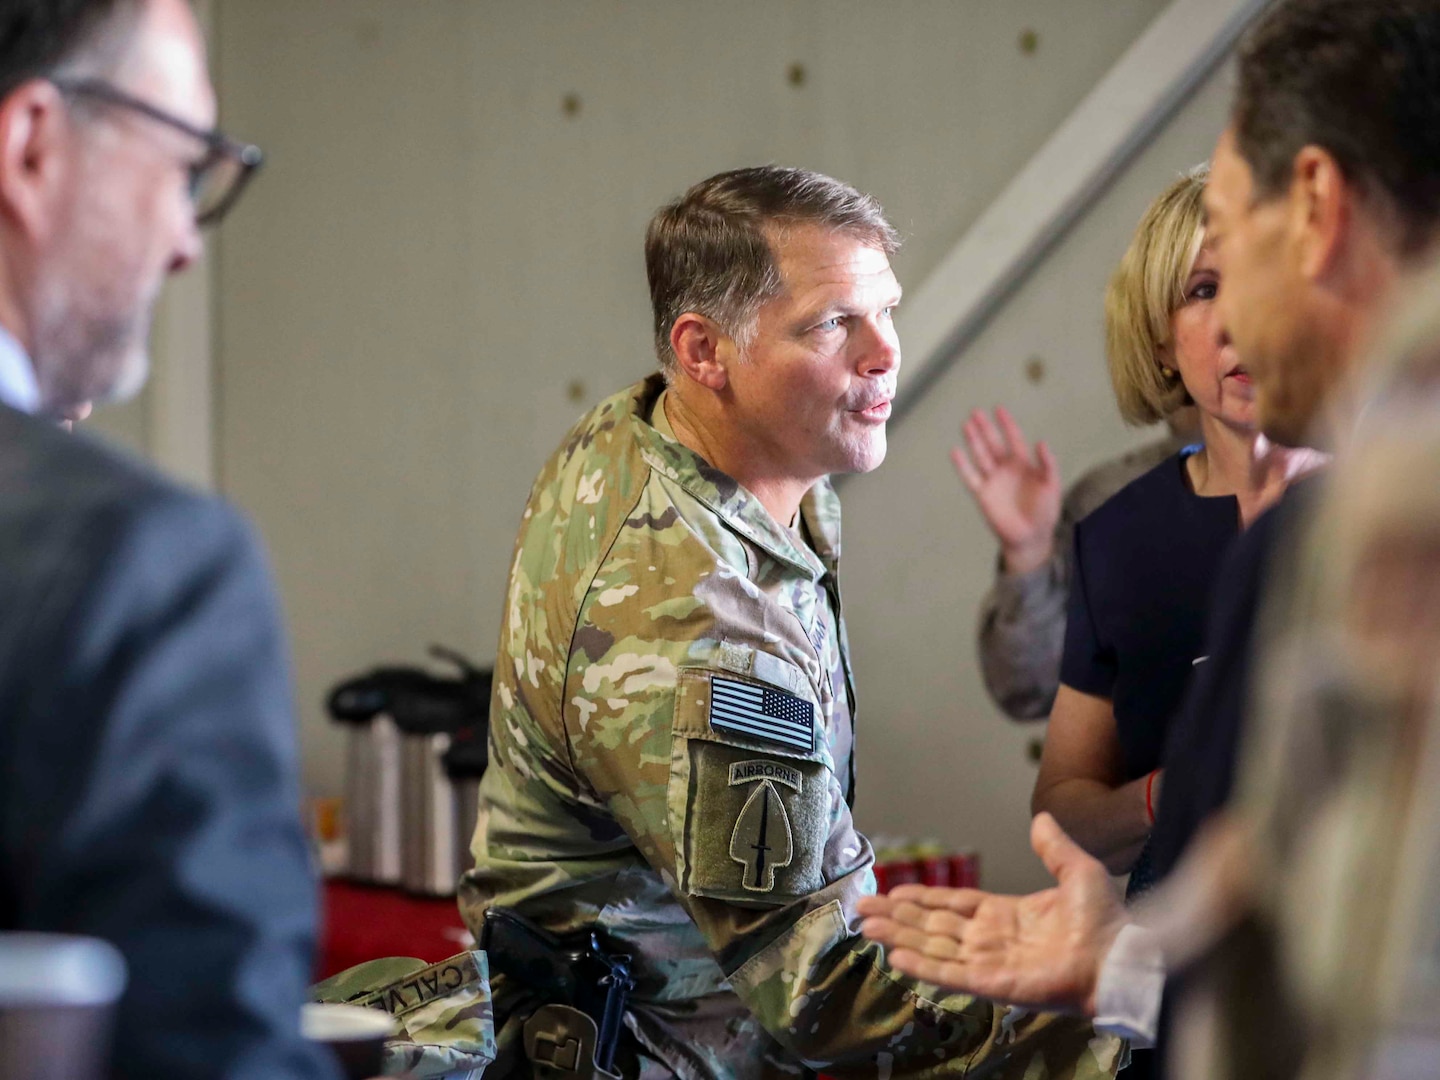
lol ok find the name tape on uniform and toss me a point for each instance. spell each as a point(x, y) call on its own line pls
point(763, 713)
point(425, 985)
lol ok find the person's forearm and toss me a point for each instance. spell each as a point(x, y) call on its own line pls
point(842, 1006)
point(1018, 559)
point(1111, 823)
point(1021, 633)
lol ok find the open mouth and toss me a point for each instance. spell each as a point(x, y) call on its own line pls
point(1239, 374)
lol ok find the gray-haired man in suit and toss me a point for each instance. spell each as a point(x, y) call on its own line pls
point(149, 792)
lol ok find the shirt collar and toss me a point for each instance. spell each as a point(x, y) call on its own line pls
point(18, 388)
point(725, 496)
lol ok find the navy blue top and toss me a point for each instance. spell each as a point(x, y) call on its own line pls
point(1205, 736)
point(1145, 564)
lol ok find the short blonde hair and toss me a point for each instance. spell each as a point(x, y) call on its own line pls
point(1144, 292)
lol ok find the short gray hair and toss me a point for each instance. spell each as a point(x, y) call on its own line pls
point(708, 252)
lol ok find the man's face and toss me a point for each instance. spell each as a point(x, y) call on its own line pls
point(125, 217)
point(1267, 305)
point(812, 392)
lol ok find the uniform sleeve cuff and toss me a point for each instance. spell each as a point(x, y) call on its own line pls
point(1016, 592)
point(1132, 981)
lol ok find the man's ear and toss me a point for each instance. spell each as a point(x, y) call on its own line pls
point(702, 350)
point(33, 129)
point(1322, 210)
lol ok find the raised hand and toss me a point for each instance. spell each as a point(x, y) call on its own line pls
point(1016, 487)
point(1042, 951)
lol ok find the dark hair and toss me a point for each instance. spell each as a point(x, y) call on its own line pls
point(707, 252)
point(37, 36)
point(1360, 79)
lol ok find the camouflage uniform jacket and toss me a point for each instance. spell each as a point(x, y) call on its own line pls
point(670, 762)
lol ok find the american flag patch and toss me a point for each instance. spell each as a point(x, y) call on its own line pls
point(762, 712)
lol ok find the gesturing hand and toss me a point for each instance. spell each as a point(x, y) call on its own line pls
point(1041, 951)
point(1017, 489)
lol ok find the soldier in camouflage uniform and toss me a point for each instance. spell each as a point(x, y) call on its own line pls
point(673, 718)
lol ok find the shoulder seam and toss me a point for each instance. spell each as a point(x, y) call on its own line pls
point(600, 559)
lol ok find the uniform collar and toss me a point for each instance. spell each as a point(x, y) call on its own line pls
point(18, 388)
point(740, 509)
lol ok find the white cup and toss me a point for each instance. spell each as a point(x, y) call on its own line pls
point(57, 1003)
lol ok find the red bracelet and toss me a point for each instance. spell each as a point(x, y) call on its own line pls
point(1149, 784)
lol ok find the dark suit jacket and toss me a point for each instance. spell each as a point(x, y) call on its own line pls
point(149, 792)
point(1200, 754)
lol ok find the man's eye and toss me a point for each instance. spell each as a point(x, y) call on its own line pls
point(888, 313)
point(832, 323)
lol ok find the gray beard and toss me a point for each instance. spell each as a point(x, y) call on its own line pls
point(80, 359)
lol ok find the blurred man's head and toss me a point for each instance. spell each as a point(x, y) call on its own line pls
point(772, 294)
point(1324, 188)
point(106, 112)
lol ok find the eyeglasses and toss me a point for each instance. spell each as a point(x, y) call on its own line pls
point(216, 179)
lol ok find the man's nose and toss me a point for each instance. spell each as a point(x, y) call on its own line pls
point(189, 247)
point(881, 352)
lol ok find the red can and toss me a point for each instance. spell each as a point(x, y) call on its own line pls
point(965, 870)
point(905, 870)
point(882, 878)
point(934, 865)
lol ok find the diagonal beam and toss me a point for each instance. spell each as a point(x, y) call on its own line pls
point(1134, 100)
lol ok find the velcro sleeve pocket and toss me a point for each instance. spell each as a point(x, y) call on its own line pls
point(750, 796)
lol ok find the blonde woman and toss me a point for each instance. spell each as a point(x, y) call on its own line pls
point(1144, 562)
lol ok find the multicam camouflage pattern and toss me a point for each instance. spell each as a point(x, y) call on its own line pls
point(446, 1024)
point(640, 576)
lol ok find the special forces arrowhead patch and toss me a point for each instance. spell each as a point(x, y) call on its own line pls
point(762, 841)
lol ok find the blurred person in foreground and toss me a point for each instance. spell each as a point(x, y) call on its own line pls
point(150, 794)
point(1331, 854)
point(673, 727)
point(1324, 193)
point(1145, 562)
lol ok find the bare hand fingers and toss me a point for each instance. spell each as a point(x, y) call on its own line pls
point(1060, 854)
point(980, 452)
point(961, 901)
point(991, 434)
point(897, 935)
point(1049, 467)
point(917, 965)
point(1014, 437)
point(934, 921)
point(963, 466)
point(879, 904)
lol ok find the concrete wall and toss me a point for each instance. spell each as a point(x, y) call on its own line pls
point(441, 267)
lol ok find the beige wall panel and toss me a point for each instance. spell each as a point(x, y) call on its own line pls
point(437, 253)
